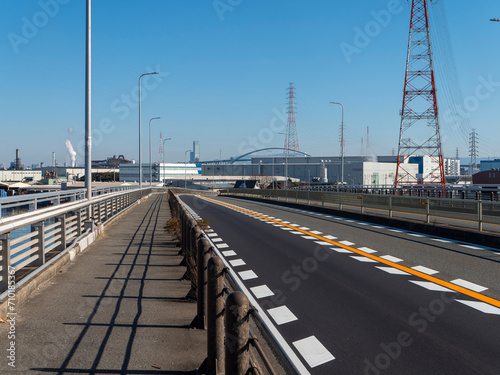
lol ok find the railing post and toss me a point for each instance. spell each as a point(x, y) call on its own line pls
point(480, 215)
point(340, 200)
point(237, 333)
point(215, 316)
point(5, 241)
point(362, 203)
point(79, 222)
point(194, 233)
point(62, 221)
point(390, 205)
point(202, 261)
point(40, 228)
point(428, 210)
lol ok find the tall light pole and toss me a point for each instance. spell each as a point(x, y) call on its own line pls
point(272, 154)
point(166, 139)
point(185, 167)
point(286, 164)
point(88, 109)
point(342, 145)
point(140, 139)
point(150, 163)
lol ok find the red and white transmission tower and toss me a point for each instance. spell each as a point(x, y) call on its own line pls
point(291, 139)
point(420, 134)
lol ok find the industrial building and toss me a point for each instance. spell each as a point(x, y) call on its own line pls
point(161, 172)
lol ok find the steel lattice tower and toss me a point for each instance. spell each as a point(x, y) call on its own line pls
point(291, 139)
point(473, 151)
point(420, 134)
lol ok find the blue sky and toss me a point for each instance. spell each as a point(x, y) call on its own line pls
point(225, 67)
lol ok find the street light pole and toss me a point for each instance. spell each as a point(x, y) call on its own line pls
point(286, 164)
point(88, 108)
point(166, 139)
point(342, 144)
point(150, 163)
point(140, 139)
point(185, 167)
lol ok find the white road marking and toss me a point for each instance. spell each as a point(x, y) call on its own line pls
point(392, 270)
point(395, 230)
point(304, 228)
point(431, 286)
point(309, 237)
point(247, 275)
point(294, 225)
point(212, 234)
point(313, 351)
point(282, 315)
point(324, 243)
point(295, 232)
point(277, 225)
point(367, 250)
point(209, 230)
point(347, 243)
point(340, 250)
point(237, 262)
point(216, 240)
point(360, 223)
point(481, 306)
point(330, 237)
point(440, 240)
point(469, 285)
point(378, 227)
point(284, 228)
point(316, 232)
point(364, 259)
point(415, 235)
point(391, 258)
point(285, 222)
point(262, 291)
point(425, 270)
point(473, 247)
point(222, 246)
point(229, 253)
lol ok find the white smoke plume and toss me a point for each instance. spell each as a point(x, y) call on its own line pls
point(71, 152)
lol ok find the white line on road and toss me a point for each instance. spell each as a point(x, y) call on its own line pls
point(431, 286)
point(247, 275)
point(367, 250)
point(237, 262)
point(428, 271)
point(262, 291)
point(469, 285)
point(229, 253)
point(282, 315)
point(393, 271)
point(481, 306)
point(391, 258)
point(364, 259)
point(313, 351)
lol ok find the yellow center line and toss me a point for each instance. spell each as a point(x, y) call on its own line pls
point(411, 271)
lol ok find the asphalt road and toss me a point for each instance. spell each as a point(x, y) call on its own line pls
point(353, 298)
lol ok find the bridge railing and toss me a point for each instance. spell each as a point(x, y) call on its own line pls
point(225, 319)
point(34, 201)
point(481, 212)
point(29, 240)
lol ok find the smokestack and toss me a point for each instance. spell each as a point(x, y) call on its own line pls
point(18, 161)
point(53, 159)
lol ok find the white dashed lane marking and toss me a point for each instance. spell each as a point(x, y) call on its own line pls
point(440, 240)
point(212, 234)
point(324, 243)
point(469, 285)
point(481, 306)
point(330, 237)
point(393, 271)
point(391, 258)
point(341, 250)
point(222, 246)
point(216, 240)
point(282, 315)
point(229, 253)
point(309, 237)
point(425, 270)
point(347, 243)
point(237, 262)
point(431, 286)
point(247, 275)
point(364, 259)
point(316, 232)
point(262, 291)
point(473, 247)
point(313, 351)
point(367, 250)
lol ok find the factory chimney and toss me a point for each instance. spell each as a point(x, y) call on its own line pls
point(18, 161)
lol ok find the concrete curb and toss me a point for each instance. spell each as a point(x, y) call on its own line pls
point(31, 282)
point(457, 234)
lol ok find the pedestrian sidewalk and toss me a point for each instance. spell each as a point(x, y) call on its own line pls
point(117, 308)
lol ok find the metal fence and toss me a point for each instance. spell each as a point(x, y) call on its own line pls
point(30, 239)
point(481, 212)
point(31, 202)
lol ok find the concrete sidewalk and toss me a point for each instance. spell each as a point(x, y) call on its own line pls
point(117, 308)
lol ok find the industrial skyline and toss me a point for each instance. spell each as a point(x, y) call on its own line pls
point(222, 83)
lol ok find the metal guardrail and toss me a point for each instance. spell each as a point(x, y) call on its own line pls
point(228, 334)
point(481, 212)
point(50, 230)
point(33, 201)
